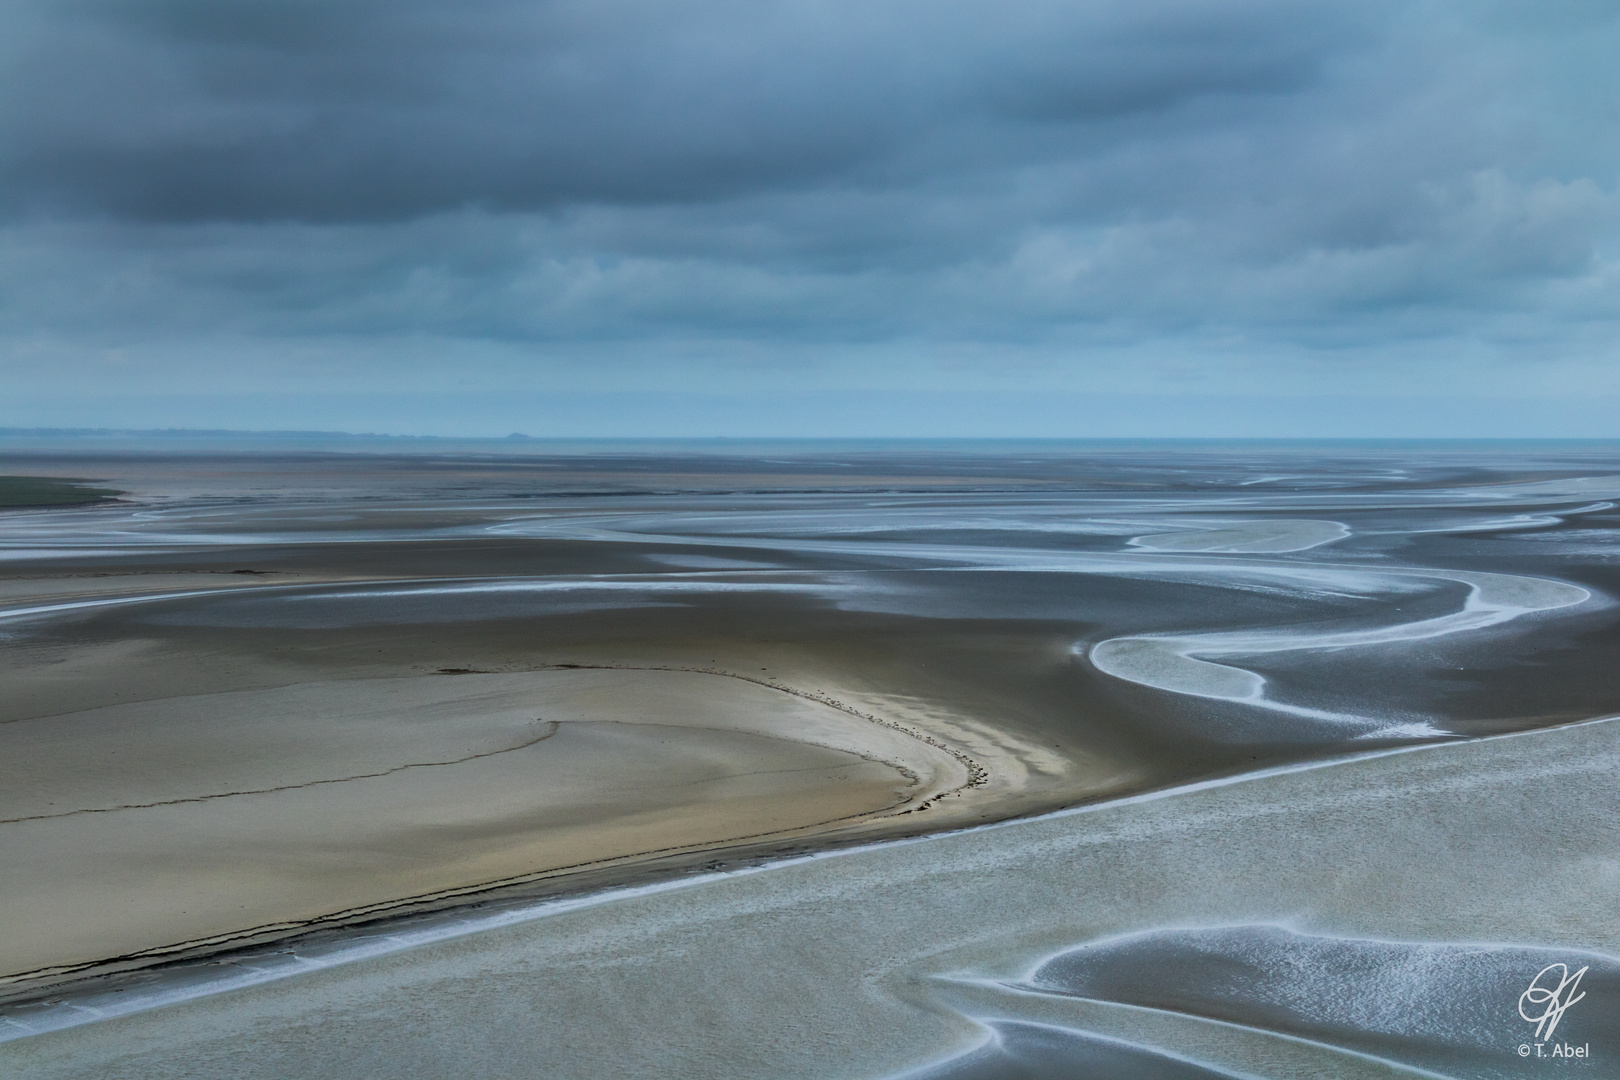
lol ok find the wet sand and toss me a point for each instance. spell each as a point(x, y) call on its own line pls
point(272, 699)
point(222, 818)
point(910, 955)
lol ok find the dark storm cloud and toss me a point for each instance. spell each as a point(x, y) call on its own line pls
point(191, 110)
point(1156, 193)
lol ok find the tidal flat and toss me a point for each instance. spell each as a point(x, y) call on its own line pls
point(283, 728)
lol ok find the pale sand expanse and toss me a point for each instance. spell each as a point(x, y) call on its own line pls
point(139, 823)
point(151, 826)
point(830, 966)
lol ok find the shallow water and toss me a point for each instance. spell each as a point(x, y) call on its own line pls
point(1273, 899)
point(1156, 615)
point(1263, 601)
point(1456, 1009)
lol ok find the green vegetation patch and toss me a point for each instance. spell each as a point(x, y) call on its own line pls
point(49, 491)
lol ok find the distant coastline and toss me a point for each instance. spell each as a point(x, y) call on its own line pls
point(183, 440)
point(34, 492)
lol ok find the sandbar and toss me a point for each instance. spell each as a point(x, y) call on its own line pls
point(153, 828)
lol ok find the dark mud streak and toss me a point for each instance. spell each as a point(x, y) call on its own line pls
point(551, 729)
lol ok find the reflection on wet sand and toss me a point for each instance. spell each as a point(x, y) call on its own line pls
point(1460, 869)
point(233, 817)
point(1430, 1006)
point(245, 705)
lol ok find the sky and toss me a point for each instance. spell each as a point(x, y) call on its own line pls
point(763, 218)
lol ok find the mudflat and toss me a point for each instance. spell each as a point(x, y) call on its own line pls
point(264, 705)
point(148, 828)
point(1367, 919)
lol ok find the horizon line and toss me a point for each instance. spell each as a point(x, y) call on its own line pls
point(294, 434)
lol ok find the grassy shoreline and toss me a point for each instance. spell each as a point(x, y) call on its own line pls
point(17, 492)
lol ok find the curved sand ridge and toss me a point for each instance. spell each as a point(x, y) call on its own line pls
point(1459, 867)
point(224, 817)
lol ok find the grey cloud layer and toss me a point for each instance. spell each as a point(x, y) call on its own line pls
point(210, 110)
point(1268, 174)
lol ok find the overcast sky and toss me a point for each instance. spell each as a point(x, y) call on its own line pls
point(884, 217)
